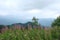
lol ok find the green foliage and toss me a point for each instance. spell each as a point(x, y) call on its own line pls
point(1, 26)
point(34, 34)
point(56, 22)
point(35, 21)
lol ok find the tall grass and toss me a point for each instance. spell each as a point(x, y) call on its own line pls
point(33, 34)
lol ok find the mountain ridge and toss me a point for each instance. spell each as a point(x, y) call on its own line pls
point(42, 21)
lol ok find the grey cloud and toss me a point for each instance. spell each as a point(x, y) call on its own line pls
point(30, 4)
point(39, 4)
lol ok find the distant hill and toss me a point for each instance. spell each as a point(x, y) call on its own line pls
point(6, 21)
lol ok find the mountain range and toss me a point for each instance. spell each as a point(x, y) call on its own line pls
point(9, 21)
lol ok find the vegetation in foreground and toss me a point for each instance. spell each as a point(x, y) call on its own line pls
point(52, 33)
point(33, 34)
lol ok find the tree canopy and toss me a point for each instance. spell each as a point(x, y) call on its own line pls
point(35, 21)
point(1, 26)
point(56, 22)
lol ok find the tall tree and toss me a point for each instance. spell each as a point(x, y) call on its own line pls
point(35, 21)
point(56, 22)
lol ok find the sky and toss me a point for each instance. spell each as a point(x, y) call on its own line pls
point(26, 9)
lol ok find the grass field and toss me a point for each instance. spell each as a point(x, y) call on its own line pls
point(33, 34)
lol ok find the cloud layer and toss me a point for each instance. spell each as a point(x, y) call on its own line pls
point(21, 9)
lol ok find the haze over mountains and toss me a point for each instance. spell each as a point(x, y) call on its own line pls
point(22, 11)
point(8, 21)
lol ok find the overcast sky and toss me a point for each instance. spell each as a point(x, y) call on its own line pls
point(28, 8)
